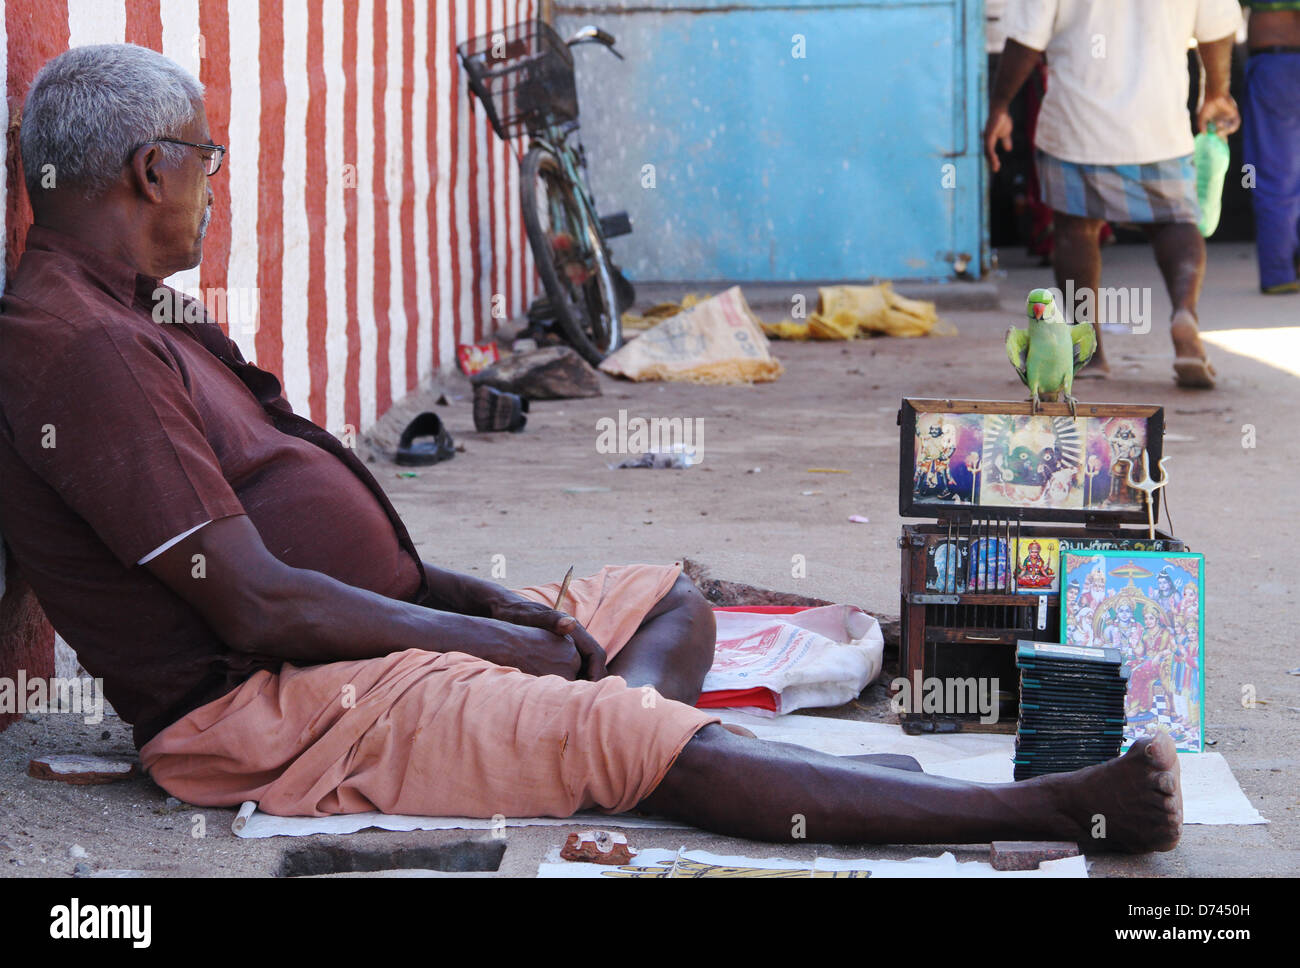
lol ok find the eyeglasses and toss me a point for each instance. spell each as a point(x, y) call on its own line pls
point(213, 160)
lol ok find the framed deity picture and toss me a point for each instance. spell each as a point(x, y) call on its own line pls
point(1049, 466)
point(1151, 606)
point(1038, 561)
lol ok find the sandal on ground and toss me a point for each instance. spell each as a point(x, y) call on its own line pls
point(425, 441)
point(1194, 373)
point(497, 410)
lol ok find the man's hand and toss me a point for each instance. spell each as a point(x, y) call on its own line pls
point(1222, 110)
point(997, 131)
point(537, 652)
point(467, 595)
point(1218, 106)
point(1014, 68)
point(517, 610)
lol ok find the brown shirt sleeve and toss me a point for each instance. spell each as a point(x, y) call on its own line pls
point(110, 426)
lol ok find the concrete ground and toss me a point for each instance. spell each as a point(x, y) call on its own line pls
point(544, 499)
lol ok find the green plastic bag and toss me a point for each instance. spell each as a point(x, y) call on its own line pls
point(1211, 160)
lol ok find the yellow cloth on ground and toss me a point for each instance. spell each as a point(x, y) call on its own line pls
point(846, 312)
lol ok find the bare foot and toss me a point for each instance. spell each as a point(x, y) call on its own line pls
point(1192, 366)
point(739, 730)
point(1186, 335)
point(1133, 803)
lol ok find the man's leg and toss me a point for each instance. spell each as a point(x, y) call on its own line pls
point(1180, 253)
point(748, 788)
point(1271, 147)
point(1077, 260)
point(672, 649)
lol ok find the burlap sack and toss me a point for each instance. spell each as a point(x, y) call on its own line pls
point(717, 341)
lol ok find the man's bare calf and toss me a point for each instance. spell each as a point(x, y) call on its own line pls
point(770, 791)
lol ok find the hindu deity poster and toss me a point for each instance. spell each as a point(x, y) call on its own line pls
point(947, 457)
point(1150, 606)
point(1038, 565)
point(1026, 461)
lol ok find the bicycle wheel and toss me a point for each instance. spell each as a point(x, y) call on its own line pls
point(571, 258)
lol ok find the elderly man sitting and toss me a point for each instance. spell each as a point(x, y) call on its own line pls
point(257, 610)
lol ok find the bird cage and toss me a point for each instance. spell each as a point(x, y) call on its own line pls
point(1007, 492)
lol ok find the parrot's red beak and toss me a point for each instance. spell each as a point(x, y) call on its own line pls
point(1039, 309)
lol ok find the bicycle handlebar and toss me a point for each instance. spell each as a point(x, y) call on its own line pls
point(591, 34)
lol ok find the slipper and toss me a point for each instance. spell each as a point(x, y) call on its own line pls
point(497, 410)
point(1194, 373)
point(425, 441)
point(1281, 288)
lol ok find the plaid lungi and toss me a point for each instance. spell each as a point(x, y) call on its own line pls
point(1160, 191)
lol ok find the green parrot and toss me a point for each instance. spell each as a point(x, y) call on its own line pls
point(1049, 353)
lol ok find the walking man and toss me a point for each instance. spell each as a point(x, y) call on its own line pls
point(1113, 139)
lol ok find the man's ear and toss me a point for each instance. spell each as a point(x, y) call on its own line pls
point(147, 170)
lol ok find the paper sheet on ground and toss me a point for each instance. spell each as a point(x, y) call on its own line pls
point(1211, 794)
point(700, 863)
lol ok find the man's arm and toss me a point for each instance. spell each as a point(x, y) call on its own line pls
point(255, 603)
point(452, 591)
point(1017, 62)
point(1218, 105)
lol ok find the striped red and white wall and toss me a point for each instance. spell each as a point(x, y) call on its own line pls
point(365, 216)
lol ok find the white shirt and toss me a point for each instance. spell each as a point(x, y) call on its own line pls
point(995, 36)
point(1117, 79)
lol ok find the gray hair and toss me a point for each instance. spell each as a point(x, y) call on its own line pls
point(90, 107)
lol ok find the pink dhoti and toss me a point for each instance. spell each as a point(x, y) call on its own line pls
point(439, 733)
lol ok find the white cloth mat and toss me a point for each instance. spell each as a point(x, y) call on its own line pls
point(1211, 794)
point(701, 863)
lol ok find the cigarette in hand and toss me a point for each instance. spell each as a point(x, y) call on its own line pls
point(564, 586)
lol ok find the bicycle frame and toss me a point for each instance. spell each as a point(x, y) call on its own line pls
point(565, 232)
point(555, 139)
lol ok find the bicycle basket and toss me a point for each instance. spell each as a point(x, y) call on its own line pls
point(523, 74)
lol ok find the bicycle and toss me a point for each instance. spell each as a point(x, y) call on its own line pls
point(523, 76)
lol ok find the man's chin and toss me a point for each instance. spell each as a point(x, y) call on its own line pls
point(182, 265)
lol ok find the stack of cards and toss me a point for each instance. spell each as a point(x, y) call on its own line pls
point(1071, 707)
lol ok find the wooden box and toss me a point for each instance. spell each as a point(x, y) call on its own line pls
point(1004, 492)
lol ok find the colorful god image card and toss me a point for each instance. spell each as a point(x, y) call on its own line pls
point(1051, 466)
point(968, 564)
point(1038, 565)
point(1151, 607)
point(948, 448)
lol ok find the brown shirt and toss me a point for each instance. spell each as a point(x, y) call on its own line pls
point(118, 433)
